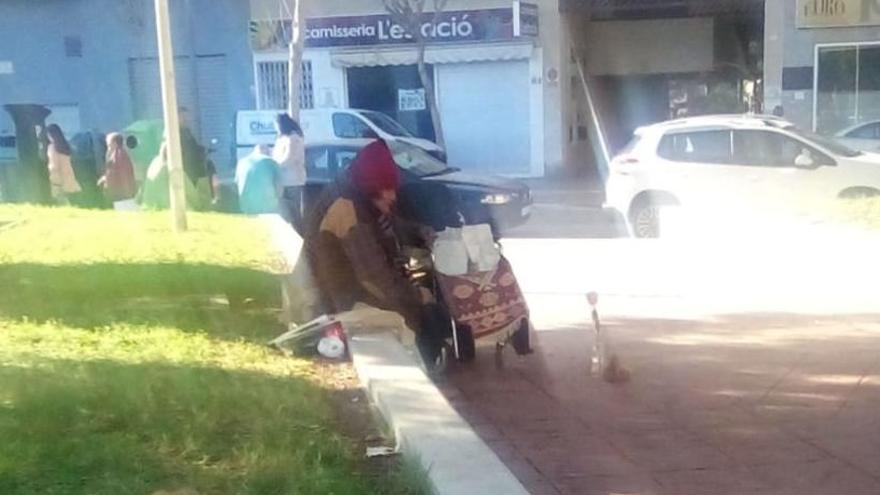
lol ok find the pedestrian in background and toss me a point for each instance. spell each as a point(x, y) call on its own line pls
point(118, 180)
point(257, 178)
point(290, 154)
point(61, 177)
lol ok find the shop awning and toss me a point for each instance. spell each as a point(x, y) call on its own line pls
point(434, 55)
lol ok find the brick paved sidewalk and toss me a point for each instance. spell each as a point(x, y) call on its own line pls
point(761, 404)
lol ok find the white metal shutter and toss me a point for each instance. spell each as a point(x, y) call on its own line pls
point(485, 109)
point(203, 92)
point(146, 90)
point(216, 115)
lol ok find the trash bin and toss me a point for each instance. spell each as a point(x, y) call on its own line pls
point(27, 179)
point(88, 152)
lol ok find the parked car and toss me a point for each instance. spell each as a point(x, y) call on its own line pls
point(327, 124)
point(727, 165)
point(863, 137)
point(502, 202)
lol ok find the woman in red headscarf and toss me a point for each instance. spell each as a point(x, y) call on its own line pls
point(353, 247)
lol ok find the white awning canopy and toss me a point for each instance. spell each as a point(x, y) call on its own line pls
point(433, 55)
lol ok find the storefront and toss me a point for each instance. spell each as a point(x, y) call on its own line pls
point(647, 61)
point(485, 62)
point(823, 63)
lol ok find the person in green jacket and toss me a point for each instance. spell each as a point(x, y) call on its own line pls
point(155, 194)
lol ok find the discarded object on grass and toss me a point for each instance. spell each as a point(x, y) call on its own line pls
point(332, 347)
point(381, 452)
point(324, 335)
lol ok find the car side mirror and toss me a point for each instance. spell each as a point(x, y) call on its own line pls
point(805, 159)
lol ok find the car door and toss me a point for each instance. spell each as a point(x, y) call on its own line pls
point(789, 175)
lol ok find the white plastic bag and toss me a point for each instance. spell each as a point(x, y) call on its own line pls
point(481, 248)
point(450, 252)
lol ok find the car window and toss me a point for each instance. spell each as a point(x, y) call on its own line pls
point(771, 149)
point(765, 149)
point(387, 124)
point(700, 147)
point(346, 125)
point(869, 131)
point(318, 163)
point(344, 159)
point(416, 160)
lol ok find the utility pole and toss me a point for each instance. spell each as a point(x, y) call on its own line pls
point(294, 57)
point(174, 158)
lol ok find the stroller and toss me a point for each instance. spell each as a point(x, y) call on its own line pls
point(474, 302)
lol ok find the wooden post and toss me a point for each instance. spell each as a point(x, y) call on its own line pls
point(177, 191)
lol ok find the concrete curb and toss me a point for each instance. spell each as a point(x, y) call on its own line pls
point(426, 426)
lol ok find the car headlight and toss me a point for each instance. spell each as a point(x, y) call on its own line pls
point(496, 199)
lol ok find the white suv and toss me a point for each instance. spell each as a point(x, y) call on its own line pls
point(720, 166)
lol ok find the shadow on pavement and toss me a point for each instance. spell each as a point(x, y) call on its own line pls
point(747, 403)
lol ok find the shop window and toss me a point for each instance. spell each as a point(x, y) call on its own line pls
point(272, 82)
point(698, 147)
point(848, 86)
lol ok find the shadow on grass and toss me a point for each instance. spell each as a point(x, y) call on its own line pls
point(102, 427)
point(186, 296)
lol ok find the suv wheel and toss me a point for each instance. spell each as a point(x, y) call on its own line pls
point(646, 221)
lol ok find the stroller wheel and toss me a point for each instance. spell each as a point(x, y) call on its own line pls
point(521, 339)
point(467, 346)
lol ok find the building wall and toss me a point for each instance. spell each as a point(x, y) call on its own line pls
point(111, 32)
point(793, 50)
point(546, 93)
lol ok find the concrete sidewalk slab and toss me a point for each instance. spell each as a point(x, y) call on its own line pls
point(426, 426)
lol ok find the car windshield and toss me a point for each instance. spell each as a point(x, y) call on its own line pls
point(417, 160)
point(387, 124)
point(833, 146)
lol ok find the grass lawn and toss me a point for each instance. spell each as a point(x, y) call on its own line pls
point(863, 211)
point(124, 370)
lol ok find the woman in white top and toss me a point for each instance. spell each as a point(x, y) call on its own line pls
point(289, 152)
point(61, 176)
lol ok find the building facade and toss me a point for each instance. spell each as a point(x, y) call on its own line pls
point(494, 66)
point(646, 61)
point(94, 64)
point(822, 63)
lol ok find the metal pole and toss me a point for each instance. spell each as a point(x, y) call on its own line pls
point(174, 159)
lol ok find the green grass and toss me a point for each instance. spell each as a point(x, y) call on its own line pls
point(863, 211)
point(123, 368)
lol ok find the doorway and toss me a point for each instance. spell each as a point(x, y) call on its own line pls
point(388, 89)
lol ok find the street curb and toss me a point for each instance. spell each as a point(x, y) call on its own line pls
point(426, 426)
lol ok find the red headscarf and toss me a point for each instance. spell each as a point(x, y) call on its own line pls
point(374, 170)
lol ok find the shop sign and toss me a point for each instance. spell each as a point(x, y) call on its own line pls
point(525, 19)
point(837, 13)
point(411, 100)
point(453, 26)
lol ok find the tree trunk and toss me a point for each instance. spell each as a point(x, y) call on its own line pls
point(294, 60)
point(430, 96)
